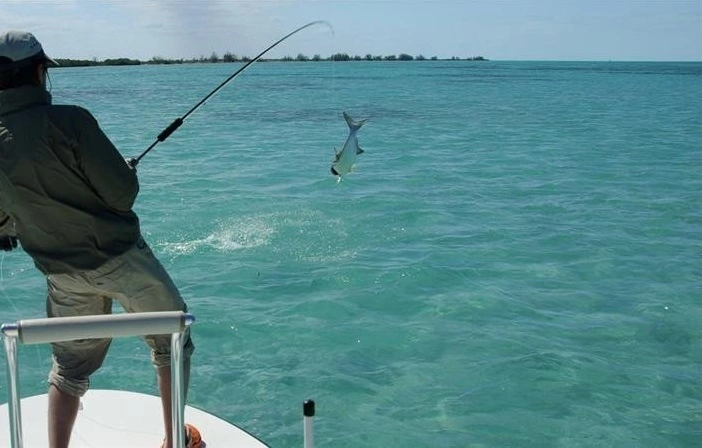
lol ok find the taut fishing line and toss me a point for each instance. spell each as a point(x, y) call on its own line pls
point(179, 121)
point(6, 296)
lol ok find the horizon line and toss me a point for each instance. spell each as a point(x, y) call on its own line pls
point(163, 61)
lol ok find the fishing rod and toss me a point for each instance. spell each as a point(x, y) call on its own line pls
point(171, 128)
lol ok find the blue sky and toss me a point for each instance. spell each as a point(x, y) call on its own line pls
point(632, 30)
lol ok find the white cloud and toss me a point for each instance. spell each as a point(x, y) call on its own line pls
point(143, 29)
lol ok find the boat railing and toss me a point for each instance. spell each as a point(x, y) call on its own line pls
point(58, 329)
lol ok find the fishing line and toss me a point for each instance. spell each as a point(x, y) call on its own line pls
point(335, 92)
point(2, 283)
point(179, 121)
point(40, 359)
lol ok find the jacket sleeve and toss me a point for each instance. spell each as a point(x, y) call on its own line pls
point(102, 164)
point(7, 225)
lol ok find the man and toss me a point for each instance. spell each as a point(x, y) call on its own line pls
point(66, 194)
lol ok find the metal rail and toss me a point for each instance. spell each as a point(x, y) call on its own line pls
point(42, 331)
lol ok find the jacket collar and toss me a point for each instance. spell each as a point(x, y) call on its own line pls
point(13, 100)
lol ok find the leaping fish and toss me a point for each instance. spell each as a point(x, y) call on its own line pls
point(344, 160)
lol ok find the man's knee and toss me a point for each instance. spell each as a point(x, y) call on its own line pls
point(74, 362)
point(161, 349)
point(76, 387)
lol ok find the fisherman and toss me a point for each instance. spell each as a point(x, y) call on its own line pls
point(66, 194)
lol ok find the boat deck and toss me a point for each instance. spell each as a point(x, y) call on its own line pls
point(119, 419)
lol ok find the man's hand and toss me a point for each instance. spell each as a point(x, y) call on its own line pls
point(132, 162)
point(7, 242)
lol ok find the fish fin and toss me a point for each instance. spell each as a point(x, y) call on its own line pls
point(353, 124)
point(360, 151)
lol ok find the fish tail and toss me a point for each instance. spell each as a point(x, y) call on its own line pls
point(353, 124)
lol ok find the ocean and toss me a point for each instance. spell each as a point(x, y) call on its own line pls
point(514, 262)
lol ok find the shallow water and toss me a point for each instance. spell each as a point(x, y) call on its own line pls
point(514, 261)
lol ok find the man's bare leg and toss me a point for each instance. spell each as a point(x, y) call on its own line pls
point(63, 409)
point(164, 387)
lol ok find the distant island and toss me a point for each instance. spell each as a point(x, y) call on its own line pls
point(230, 57)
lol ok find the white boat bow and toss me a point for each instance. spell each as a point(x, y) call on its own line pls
point(119, 419)
point(114, 418)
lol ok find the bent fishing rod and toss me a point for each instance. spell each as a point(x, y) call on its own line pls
point(171, 128)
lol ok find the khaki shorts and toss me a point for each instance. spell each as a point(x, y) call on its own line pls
point(138, 281)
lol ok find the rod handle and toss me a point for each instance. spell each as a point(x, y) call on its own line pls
point(170, 129)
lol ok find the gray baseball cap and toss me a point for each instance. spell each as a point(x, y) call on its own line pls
point(21, 46)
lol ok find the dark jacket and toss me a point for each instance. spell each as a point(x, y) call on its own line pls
point(65, 190)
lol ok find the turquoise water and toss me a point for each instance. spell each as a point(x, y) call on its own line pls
point(515, 261)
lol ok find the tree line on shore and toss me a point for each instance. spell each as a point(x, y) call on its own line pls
point(230, 57)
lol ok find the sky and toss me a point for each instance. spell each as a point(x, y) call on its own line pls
point(570, 30)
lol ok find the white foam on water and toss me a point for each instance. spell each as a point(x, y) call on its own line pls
point(245, 233)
